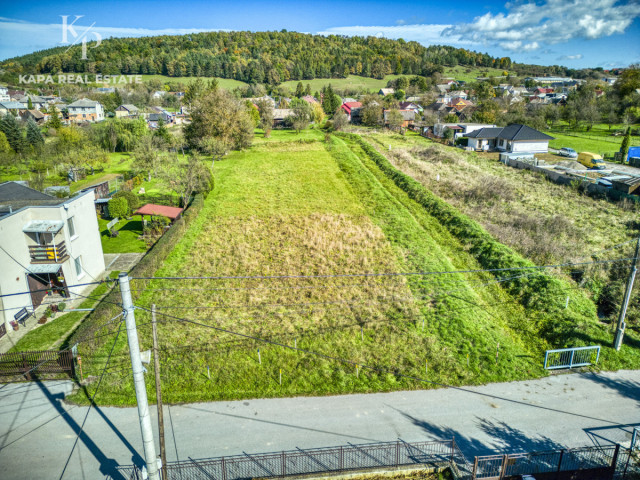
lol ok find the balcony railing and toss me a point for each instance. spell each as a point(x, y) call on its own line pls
point(48, 253)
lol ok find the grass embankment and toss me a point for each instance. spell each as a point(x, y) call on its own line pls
point(227, 83)
point(352, 82)
point(297, 206)
point(469, 74)
point(545, 222)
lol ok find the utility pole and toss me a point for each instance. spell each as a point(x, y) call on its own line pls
point(627, 295)
point(138, 379)
point(156, 365)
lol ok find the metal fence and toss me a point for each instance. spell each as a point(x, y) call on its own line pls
point(314, 461)
point(571, 357)
point(593, 462)
point(635, 439)
point(46, 361)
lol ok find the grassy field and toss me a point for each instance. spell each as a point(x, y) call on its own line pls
point(469, 74)
point(597, 140)
point(227, 83)
point(354, 82)
point(295, 205)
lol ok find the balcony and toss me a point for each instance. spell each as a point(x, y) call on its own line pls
point(48, 253)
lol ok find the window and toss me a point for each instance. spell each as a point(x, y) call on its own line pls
point(71, 226)
point(79, 272)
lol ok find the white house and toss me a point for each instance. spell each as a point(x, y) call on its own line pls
point(4, 94)
point(85, 110)
point(48, 246)
point(514, 138)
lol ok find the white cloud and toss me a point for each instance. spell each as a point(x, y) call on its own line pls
point(426, 34)
point(20, 37)
point(550, 22)
point(577, 56)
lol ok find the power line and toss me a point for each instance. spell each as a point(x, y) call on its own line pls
point(372, 368)
point(386, 274)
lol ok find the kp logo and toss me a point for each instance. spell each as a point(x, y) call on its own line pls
point(68, 28)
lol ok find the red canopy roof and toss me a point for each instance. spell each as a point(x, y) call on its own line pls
point(151, 209)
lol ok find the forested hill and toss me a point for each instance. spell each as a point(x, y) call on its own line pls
point(261, 57)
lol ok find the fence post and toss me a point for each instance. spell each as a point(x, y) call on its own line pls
point(224, 469)
point(503, 470)
point(571, 359)
point(614, 461)
point(397, 453)
point(559, 464)
point(27, 374)
point(284, 463)
point(475, 469)
point(626, 465)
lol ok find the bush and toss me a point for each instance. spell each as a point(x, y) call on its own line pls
point(133, 202)
point(118, 207)
point(62, 306)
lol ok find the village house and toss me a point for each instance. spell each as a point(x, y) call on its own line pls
point(386, 91)
point(512, 139)
point(352, 109)
point(408, 117)
point(12, 107)
point(127, 110)
point(280, 114)
point(50, 245)
point(85, 110)
point(38, 103)
point(311, 100)
point(4, 94)
point(458, 129)
point(35, 115)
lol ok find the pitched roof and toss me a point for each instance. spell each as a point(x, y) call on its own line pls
point(486, 133)
point(310, 99)
point(83, 103)
point(387, 91)
point(282, 113)
point(17, 191)
point(522, 132)
point(152, 209)
point(13, 105)
point(350, 106)
point(129, 107)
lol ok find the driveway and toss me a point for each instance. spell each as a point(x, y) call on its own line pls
point(37, 430)
point(121, 262)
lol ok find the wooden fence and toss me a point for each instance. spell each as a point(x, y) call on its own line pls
point(30, 363)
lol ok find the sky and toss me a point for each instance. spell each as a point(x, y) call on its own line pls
point(574, 33)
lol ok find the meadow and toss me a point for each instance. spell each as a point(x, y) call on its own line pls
point(597, 139)
point(305, 205)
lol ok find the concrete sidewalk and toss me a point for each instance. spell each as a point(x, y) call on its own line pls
point(37, 430)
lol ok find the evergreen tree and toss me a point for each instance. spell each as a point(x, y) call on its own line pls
point(54, 119)
point(624, 148)
point(34, 136)
point(4, 144)
point(29, 103)
point(299, 90)
point(307, 90)
point(162, 132)
point(13, 131)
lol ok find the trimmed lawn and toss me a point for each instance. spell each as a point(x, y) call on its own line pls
point(127, 241)
point(469, 74)
point(54, 333)
point(227, 83)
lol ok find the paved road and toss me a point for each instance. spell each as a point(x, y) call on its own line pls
point(563, 410)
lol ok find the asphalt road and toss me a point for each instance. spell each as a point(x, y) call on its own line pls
point(37, 430)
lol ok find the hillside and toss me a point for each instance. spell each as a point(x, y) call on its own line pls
point(260, 57)
point(297, 205)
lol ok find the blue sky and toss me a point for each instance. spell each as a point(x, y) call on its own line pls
point(575, 33)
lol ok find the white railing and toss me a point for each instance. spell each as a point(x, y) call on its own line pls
point(571, 357)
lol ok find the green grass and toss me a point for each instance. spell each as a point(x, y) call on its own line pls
point(127, 240)
point(53, 334)
point(597, 140)
point(353, 82)
point(469, 74)
point(294, 205)
point(227, 83)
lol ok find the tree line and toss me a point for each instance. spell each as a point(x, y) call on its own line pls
point(254, 57)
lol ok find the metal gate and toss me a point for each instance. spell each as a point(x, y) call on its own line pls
point(571, 357)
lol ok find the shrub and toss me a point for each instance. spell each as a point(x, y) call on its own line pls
point(62, 306)
point(118, 207)
point(133, 202)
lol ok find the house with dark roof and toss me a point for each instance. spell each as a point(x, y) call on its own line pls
point(514, 138)
point(408, 117)
point(85, 110)
point(50, 245)
point(127, 110)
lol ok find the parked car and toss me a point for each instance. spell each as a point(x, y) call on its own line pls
point(592, 161)
point(568, 152)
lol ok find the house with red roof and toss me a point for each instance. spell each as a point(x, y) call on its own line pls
point(352, 109)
